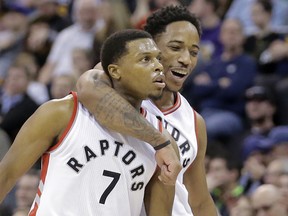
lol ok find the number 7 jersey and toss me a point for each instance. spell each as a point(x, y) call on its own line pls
point(93, 171)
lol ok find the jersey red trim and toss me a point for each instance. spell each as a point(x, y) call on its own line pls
point(176, 105)
point(46, 156)
point(44, 168)
point(196, 125)
point(75, 108)
point(143, 112)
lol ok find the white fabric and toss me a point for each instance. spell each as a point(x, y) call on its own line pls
point(179, 120)
point(77, 190)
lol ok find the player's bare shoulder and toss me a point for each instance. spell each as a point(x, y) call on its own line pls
point(56, 113)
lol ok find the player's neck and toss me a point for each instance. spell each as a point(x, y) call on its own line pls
point(166, 101)
point(136, 103)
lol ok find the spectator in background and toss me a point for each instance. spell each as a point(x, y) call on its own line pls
point(278, 51)
point(264, 158)
point(22, 195)
point(224, 6)
point(254, 168)
point(222, 179)
point(21, 212)
point(82, 61)
point(5, 210)
point(260, 111)
point(242, 207)
point(26, 189)
point(78, 35)
point(277, 142)
point(241, 9)
point(283, 185)
point(268, 200)
point(13, 27)
point(61, 86)
point(16, 105)
point(275, 169)
point(36, 90)
point(25, 7)
point(218, 90)
point(116, 16)
point(144, 8)
point(45, 24)
point(210, 45)
point(257, 43)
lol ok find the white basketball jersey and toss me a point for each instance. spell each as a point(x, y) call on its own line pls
point(92, 171)
point(179, 121)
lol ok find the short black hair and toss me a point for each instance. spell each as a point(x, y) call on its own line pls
point(114, 47)
point(157, 22)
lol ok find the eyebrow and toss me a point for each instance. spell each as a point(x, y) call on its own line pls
point(147, 53)
point(181, 42)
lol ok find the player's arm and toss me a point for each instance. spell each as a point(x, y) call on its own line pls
point(112, 110)
point(34, 138)
point(200, 199)
point(115, 113)
point(158, 197)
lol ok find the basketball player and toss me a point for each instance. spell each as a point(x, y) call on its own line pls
point(87, 169)
point(177, 33)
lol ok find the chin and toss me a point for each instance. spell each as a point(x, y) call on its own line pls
point(155, 97)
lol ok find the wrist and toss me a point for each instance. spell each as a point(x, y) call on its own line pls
point(163, 145)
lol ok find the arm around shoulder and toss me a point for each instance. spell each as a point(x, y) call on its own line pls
point(113, 111)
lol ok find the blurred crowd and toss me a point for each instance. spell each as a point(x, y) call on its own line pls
point(240, 85)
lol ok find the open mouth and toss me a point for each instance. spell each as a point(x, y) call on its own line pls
point(179, 73)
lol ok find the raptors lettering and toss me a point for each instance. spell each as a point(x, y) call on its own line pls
point(183, 143)
point(127, 158)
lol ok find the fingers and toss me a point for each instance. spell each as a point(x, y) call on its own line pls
point(169, 174)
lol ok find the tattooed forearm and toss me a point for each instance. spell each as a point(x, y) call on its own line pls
point(115, 113)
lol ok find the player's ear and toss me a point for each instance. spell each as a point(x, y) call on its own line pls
point(114, 71)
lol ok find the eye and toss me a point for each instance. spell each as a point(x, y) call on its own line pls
point(145, 59)
point(159, 58)
point(194, 53)
point(175, 48)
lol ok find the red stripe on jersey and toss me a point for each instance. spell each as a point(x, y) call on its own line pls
point(34, 210)
point(176, 105)
point(143, 112)
point(75, 108)
point(44, 168)
point(195, 123)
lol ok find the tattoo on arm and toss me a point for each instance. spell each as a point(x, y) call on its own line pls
point(117, 114)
